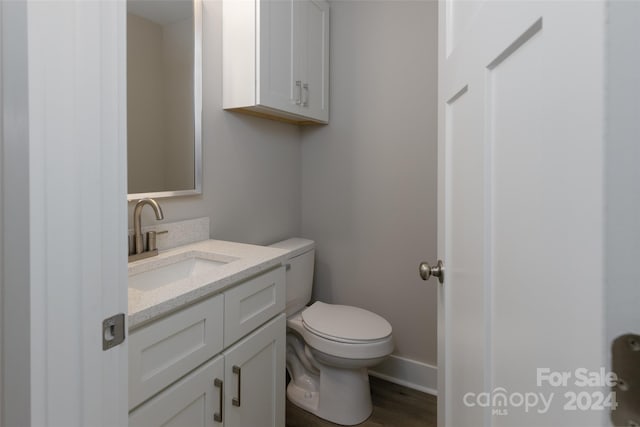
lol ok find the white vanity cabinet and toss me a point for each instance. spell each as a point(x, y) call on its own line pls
point(276, 58)
point(219, 362)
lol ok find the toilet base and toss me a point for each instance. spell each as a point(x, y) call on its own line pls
point(344, 396)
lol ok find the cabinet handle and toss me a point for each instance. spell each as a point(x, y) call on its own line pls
point(217, 416)
point(305, 100)
point(236, 370)
point(299, 86)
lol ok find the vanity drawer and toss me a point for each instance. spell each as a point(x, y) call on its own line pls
point(167, 349)
point(252, 303)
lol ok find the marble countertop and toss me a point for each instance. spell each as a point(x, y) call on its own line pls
point(244, 261)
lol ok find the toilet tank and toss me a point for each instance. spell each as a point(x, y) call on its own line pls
point(299, 271)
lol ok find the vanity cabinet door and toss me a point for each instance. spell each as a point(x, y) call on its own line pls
point(194, 401)
point(255, 378)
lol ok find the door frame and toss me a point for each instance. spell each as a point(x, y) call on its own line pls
point(441, 224)
point(15, 257)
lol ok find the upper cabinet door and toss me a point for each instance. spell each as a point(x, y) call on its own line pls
point(276, 59)
point(275, 82)
point(313, 58)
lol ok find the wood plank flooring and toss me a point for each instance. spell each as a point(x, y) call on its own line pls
point(393, 406)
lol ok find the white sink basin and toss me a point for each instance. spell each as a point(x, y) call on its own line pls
point(186, 274)
point(181, 269)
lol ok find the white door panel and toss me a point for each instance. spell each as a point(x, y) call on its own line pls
point(521, 117)
point(466, 317)
point(67, 110)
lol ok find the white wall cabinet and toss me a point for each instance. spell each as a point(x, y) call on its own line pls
point(276, 59)
point(183, 375)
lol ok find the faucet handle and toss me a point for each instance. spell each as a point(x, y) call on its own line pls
point(132, 244)
point(151, 239)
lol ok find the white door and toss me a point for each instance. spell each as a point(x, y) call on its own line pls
point(521, 223)
point(64, 209)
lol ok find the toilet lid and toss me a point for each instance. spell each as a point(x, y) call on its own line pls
point(345, 323)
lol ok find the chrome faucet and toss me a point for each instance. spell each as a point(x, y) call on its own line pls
point(139, 251)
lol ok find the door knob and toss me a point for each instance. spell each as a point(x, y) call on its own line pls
point(426, 271)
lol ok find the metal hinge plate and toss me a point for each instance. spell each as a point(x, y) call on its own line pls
point(113, 331)
point(625, 360)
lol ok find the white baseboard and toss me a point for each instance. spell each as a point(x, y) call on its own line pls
point(409, 373)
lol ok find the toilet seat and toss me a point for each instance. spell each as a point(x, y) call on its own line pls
point(343, 323)
point(333, 330)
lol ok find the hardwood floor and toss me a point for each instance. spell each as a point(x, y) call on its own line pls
point(393, 406)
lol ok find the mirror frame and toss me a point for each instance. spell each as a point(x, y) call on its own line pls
point(197, 115)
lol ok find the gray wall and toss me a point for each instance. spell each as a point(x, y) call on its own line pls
point(369, 177)
point(251, 182)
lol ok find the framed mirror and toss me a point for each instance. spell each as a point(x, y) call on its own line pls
point(164, 98)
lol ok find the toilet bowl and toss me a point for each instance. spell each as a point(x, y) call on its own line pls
point(329, 346)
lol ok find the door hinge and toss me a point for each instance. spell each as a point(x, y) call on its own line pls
point(113, 333)
point(625, 362)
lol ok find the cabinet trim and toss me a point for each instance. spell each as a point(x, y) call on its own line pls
point(269, 113)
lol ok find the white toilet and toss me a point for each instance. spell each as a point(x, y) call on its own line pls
point(329, 347)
